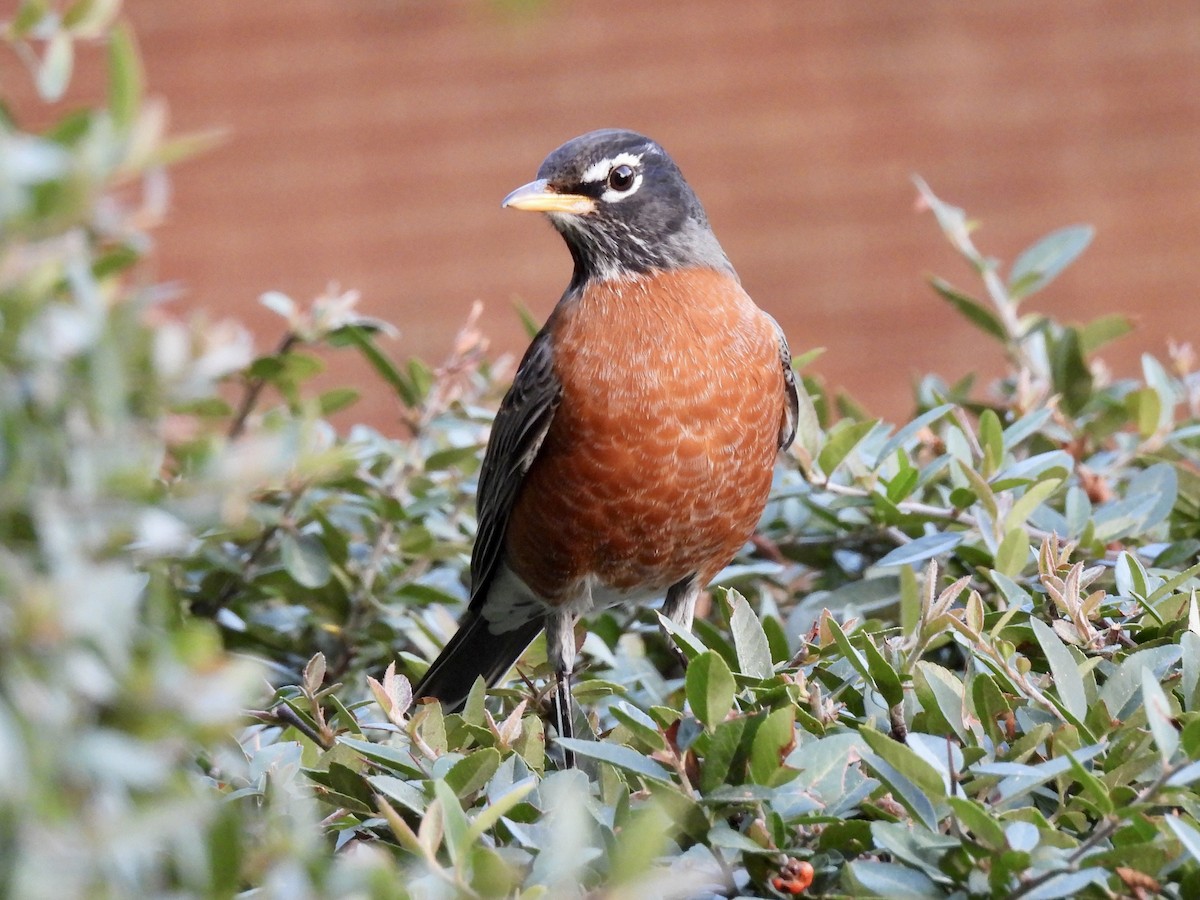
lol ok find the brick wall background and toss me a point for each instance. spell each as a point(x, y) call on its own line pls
point(370, 142)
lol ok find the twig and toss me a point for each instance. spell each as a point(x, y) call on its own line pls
point(1104, 832)
point(209, 608)
point(229, 591)
point(912, 507)
point(255, 387)
point(286, 716)
point(1032, 691)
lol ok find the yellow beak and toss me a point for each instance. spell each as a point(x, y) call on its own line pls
point(538, 196)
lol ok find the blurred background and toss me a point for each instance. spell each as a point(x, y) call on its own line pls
point(369, 142)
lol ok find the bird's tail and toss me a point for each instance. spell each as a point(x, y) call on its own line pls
point(474, 651)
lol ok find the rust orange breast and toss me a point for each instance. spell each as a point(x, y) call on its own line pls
point(660, 456)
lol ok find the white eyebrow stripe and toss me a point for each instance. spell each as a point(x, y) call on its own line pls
point(598, 171)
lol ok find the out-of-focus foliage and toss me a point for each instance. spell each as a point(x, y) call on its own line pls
point(961, 659)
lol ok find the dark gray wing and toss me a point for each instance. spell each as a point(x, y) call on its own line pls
point(787, 431)
point(517, 434)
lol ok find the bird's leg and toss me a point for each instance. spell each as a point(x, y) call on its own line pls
point(680, 608)
point(563, 712)
point(560, 647)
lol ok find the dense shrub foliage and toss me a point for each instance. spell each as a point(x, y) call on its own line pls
point(961, 659)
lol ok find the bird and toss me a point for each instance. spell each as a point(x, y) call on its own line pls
point(633, 455)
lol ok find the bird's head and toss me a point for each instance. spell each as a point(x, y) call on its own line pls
point(622, 206)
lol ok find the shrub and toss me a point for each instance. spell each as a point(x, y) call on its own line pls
point(962, 657)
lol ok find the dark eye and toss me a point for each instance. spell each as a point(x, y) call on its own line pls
point(620, 178)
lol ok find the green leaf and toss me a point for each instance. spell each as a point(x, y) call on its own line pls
point(473, 771)
point(912, 429)
point(1096, 791)
point(914, 847)
point(980, 487)
point(900, 487)
point(1019, 779)
point(1067, 884)
point(1013, 553)
point(979, 821)
point(29, 14)
point(1057, 463)
point(640, 725)
point(1045, 260)
point(1160, 481)
point(286, 369)
point(720, 755)
point(1159, 716)
point(332, 401)
point(90, 17)
point(922, 548)
point(1077, 510)
point(1068, 682)
point(622, 757)
point(710, 688)
point(842, 438)
point(688, 643)
point(1122, 690)
point(801, 360)
point(1069, 371)
point(885, 678)
point(867, 878)
point(808, 423)
point(1189, 645)
point(124, 76)
point(305, 559)
point(1145, 408)
point(407, 795)
point(849, 651)
point(749, 639)
point(1164, 385)
point(913, 781)
point(1131, 576)
point(1025, 426)
point(907, 761)
point(991, 439)
point(450, 457)
point(639, 843)
point(1187, 834)
point(498, 808)
point(946, 691)
point(971, 309)
point(724, 837)
point(454, 821)
point(1028, 503)
point(1015, 596)
point(529, 321)
point(363, 340)
point(771, 741)
point(1104, 330)
point(990, 705)
point(349, 783)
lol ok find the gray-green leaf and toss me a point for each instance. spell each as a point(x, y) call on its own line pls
point(1045, 260)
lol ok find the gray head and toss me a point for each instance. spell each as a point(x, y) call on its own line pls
point(622, 206)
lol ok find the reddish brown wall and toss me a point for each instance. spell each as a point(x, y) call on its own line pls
point(370, 142)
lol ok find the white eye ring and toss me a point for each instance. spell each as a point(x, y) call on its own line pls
point(601, 171)
point(620, 178)
point(612, 194)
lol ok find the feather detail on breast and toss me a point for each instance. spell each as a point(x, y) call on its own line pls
point(659, 459)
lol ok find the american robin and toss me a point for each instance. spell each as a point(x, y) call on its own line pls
point(633, 455)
